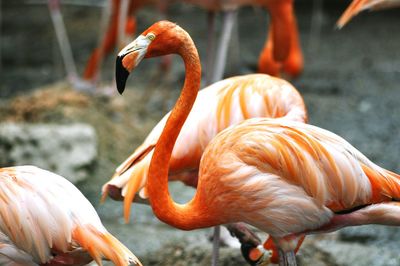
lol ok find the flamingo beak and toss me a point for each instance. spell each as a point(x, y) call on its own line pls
point(128, 58)
point(256, 256)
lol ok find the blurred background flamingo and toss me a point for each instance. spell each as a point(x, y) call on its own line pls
point(359, 5)
point(281, 53)
point(45, 220)
point(284, 177)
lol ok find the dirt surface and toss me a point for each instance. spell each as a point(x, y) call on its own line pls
point(350, 85)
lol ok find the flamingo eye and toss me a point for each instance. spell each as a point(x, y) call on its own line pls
point(151, 36)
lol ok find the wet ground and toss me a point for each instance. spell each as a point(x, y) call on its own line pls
point(350, 85)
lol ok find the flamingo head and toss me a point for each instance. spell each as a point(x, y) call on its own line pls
point(162, 38)
point(256, 255)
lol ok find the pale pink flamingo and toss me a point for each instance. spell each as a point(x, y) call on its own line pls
point(45, 220)
point(359, 5)
point(284, 177)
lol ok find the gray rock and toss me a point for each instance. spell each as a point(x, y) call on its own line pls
point(68, 150)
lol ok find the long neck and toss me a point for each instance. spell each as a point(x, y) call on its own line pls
point(190, 215)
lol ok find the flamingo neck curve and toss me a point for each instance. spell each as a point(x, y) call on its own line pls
point(193, 214)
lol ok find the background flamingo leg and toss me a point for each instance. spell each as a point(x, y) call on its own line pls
point(293, 65)
point(63, 41)
point(266, 62)
point(210, 46)
point(229, 18)
point(282, 19)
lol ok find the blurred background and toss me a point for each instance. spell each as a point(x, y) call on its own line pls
point(350, 84)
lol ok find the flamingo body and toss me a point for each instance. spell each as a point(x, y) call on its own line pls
point(286, 177)
point(45, 220)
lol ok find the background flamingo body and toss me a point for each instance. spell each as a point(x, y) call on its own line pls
point(281, 52)
point(45, 220)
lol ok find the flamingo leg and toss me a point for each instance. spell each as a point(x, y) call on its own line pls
point(106, 41)
point(122, 19)
point(281, 20)
point(215, 247)
point(62, 39)
point(92, 71)
point(210, 46)
point(294, 63)
point(266, 63)
point(228, 22)
point(287, 258)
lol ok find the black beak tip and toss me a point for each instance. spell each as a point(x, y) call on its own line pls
point(121, 74)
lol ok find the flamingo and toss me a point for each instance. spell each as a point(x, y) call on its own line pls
point(284, 177)
point(281, 52)
point(228, 102)
point(45, 220)
point(359, 5)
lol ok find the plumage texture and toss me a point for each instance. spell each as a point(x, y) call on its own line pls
point(359, 5)
point(45, 219)
point(218, 106)
point(295, 176)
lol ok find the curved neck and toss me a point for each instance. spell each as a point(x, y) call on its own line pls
point(191, 215)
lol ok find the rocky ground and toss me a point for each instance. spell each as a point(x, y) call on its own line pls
point(350, 86)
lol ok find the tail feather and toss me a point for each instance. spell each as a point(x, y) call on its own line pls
point(103, 245)
point(385, 184)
